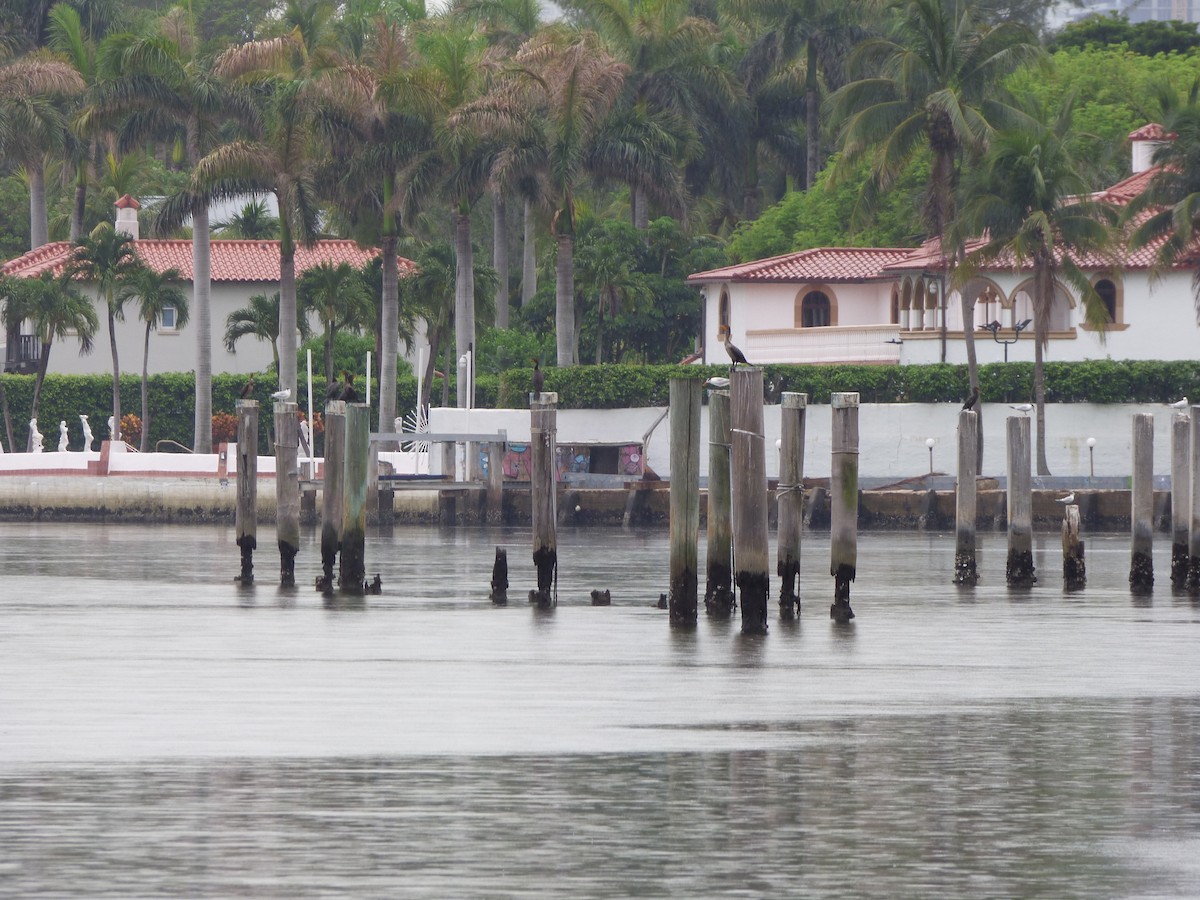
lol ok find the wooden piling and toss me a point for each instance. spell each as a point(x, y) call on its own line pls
point(331, 491)
point(495, 483)
point(543, 417)
point(748, 495)
point(843, 504)
point(719, 600)
point(1141, 564)
point(1193, 577)
point(1074, 568)
point(499, 593)
point(352, 566)
point(287, 490)
point(789, 497)
point(246, 513)
point(965, 499)
point(1181, 497)
point(685, 499)
point(1019, 570)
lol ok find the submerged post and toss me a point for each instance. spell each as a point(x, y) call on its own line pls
point(965, 499)
point(1141, 564)
point(331, 491)
point(1019, 570)
point(287, 490)
point(685, 499)
point(352, 570)
point(718, 593)
point(246, 513)
point(843, 504)
point(1193, 578)
point(1074, 569)
point(1181, 497)
point(748, 459)
point(543, 419)
point(789, 496)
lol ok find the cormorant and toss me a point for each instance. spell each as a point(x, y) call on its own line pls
point(349, 394)
point(249, 388)
point(972, 400)
point(734, 353)
point(539, 378)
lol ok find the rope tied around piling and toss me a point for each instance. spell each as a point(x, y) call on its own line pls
point(784, 489)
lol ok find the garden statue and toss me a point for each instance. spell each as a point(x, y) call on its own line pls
point(87, 432)
point(112, 434)
point(35, 437)
point(62, 436)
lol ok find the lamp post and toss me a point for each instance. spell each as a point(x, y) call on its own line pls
point(1091, 442)
point(994, 327)
point(929, 442)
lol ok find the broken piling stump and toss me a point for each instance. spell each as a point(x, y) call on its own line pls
point(352, 564)
point(287, 490)
point(719, 599)
point(1141, 563)
point(499, 593)
point(543, 417)
point(843, 504)
point(789, 496)
point(1019, 569)
point(246, 512)
point(1074, 568)
point(685, 499)
point(1181, 497)
point(751, 550)
point(966, 499)
point(331, 491)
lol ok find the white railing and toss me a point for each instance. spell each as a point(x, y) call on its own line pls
point(835, 344)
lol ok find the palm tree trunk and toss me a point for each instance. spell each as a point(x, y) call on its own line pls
point(600, 332)
point(968, 317)
point(464, 298)
point(500, 255)
point(564, 300)
point(39, 222)
point(43, 367)
point(202, 304)
point(329, 353)
point(641, 208)
point(389, 336)
point(287, 309)
point(7, 417)
point(529, 257)
point(144, 444)
point(116, 365)
point(812, 118)
point(79, 208)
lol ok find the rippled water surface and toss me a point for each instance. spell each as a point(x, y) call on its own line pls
point(164, 733)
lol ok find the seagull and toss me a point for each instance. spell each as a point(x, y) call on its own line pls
point(285, 394)
point(1179, 404)
point(1022, 408)
point(1070, 498)
point(972, 400)
point(717, 383)
point(734, 353)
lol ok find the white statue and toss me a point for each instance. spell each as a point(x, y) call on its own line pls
point(62, 436)
point(112, 434)
point(87, 433)
point(35, 437)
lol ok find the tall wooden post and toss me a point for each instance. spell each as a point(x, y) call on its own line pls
point(1181, 497)
point(352, 569)
point(1141, 564)
point(748, 460)
point(1019, 570)
point(1193, 578)
point(495, 483)
point(965, 499)
point(1074, 568)
point(843, 504)
point(789, 496)
point(543, 427)
point(246, 514)
point(685, 499)
point(331, 490)
point(287, 490)
point(718, 593)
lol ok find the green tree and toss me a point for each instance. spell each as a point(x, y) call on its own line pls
point(1033, 207)
point(1115, 30)
point(253, 222)
point(259, 318)
point(338, 295)
point(155, 292)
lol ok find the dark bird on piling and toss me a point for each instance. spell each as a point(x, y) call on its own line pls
point(734, 353)
point(349, 394)
point(249, 388)
point(539, 378)
point(334, 392)
point(972, 400)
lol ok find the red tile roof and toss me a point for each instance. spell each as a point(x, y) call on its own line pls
point(1152, 132)
point(835, 264)
point(246, 261)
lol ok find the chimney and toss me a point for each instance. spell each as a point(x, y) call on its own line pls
point(1144, 142)
point(127, 220)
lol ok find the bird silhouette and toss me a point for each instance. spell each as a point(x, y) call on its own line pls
point(1022, 408)
point(1070, 498)
point(284, 394)
point(736, 355)
point(970, 402)
point(717, 383)
point(349, 394)
point(539, 378)
point(249, 387)
point(1180, 404)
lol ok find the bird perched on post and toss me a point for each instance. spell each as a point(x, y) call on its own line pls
point(539, 377)
point(282, 395)
point(1025, 408)
point(717, 383)
point(249, 387)
point(1180, 404)
point(349, 394)
point(734, 353)
point(972, 400)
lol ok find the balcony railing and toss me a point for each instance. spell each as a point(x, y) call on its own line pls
point(833, 344)
point(23, 355)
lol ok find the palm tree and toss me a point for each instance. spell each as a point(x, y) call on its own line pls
point(253, 222)
point(155, 292)
point(163, 89)
point(339, 297)
point(1029, 200)
point(260, 319)
point(107, 258)
point(56, 310)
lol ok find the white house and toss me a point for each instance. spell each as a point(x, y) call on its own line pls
point(239, 269)
point(888, 305)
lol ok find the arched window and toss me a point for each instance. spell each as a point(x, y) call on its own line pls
point(1108, 296)
point(815, 310)
point(723, 312)
point(895, 306)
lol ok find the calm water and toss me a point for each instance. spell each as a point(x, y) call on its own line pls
point(166, 734)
